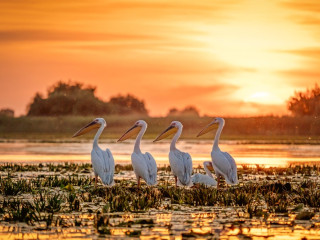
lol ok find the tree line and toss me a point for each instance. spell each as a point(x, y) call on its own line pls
point(73, 98)
point(67, 98)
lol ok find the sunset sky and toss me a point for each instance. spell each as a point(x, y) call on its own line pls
point(228, 58)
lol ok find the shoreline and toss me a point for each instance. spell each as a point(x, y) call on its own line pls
point(288, 140)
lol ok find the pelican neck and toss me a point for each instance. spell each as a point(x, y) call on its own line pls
point(175, 139)
point(136, 148)
point(97, 136)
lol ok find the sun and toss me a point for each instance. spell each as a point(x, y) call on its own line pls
point(261, 97)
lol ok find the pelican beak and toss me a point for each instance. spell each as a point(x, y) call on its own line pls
point(131, 132)
point(208, 128)
point(87, 128)
point(166, 133)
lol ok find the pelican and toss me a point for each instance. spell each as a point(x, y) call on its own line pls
point(180, 162)
point(102, 161)
point(222, 162)
point(206, 179)
point(144, 165)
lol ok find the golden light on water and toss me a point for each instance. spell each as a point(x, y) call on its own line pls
point(201, 224)
point(161, 159)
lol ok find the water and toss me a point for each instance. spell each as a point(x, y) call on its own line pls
point(264, 154)
point(208, 223)
point(180, 221)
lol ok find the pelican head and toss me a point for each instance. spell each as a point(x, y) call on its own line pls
point(97, 123)
point(211, 126)
point(173, 128)
point(133, 131)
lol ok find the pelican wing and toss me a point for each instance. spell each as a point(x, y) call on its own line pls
point(181, 166)
point(152, 168)
point(144, 167)
point(232, 173)
point(103, 165)
point(224, 164)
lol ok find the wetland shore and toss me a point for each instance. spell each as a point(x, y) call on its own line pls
point(59, 200)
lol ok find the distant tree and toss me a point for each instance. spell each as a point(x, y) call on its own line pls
point(173, 112)
point(190, 110)
point(7, 112)
point(67, 99)
point(72, 98)
point(305, 103)
point(127, 104)
point(187, 111)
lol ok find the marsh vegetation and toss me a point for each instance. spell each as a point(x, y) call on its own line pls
point(46, 198)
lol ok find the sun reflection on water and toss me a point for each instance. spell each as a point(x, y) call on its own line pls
point(176, 225)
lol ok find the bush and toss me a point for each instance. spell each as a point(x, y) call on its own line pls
point(75, 99)
point(305, 103)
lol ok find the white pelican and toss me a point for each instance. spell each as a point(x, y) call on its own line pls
point(102, 161)
point(206, 179)
point(222, 162)
point(143, 164)
point(180, 162)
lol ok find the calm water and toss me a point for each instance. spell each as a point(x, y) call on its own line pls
point(266, 154)
point(179, 222)
point(208, 223)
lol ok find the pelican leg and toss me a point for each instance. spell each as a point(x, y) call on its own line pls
point(176, 180)
point(218, 178)
point(138, 182)
point(95, 181)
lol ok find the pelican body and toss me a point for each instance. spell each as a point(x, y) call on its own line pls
point(222, 162)
point(206, 179)
point(180, 162)
point(102, 161)
point(144, 165)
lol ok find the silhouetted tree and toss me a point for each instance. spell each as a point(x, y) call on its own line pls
point(7, 112)
point(127, 104)
point(173, 112)
point(190, 110)
point(305, 103)
point(187, 111)
point(75, 99)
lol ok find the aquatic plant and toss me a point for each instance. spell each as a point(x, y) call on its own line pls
point(13, 188)
point(305, 215)
point(52, 194)
point(73, 201)
point(19, 211)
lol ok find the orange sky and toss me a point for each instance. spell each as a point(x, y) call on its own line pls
point(229, 58)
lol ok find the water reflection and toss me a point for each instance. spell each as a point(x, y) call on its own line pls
point(208, 223)
point(268, 154)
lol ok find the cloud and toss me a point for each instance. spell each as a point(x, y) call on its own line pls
point(231, 108)
point(49, 35)
point(187, 8)
point(304, 76)
point(300, 78)
point(306, 5)
point(307, 12)
point(303, 73)
point(112, 15)
point(313, 53)
point(196, 91)
point(200, 96)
